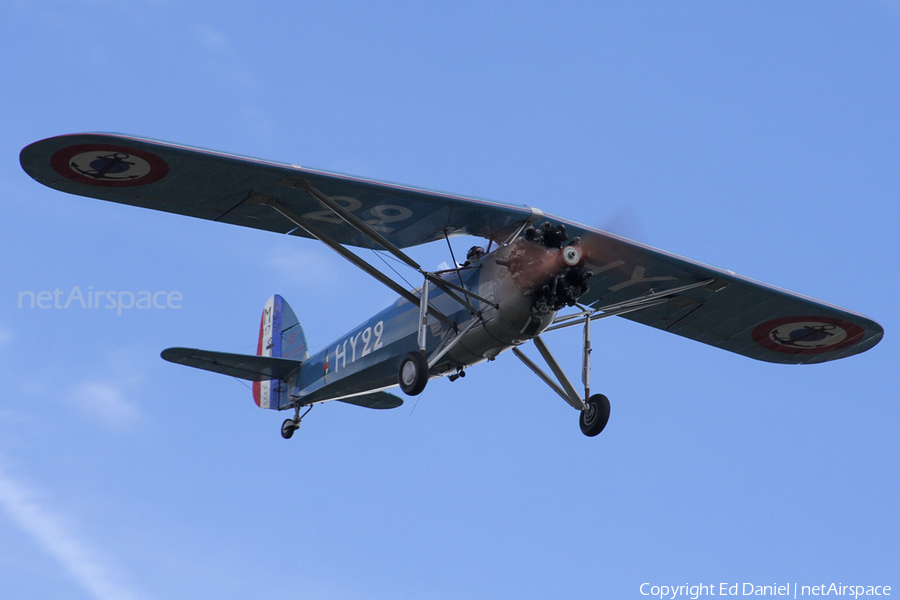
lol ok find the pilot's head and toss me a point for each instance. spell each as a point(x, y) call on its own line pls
point(474, 254)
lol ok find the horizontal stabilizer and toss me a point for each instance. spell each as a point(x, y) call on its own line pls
point(379, 400)
point(242, 366)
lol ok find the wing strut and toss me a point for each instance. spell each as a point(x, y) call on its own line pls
point(357, 223)
point(620, 308)
point(368, 231)
point(337, 247)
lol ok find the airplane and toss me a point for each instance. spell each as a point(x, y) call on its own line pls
point(538, 273)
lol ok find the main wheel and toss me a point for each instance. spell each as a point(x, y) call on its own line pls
point(594, 418)
point(413, 374)
point(288, 428)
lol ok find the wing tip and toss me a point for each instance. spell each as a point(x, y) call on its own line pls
point(176, 354)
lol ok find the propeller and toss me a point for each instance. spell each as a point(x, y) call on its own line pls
point(625, 222)
point(541, 266)
point(555, 270)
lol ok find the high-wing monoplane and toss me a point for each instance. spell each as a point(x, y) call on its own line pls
point(536, 273)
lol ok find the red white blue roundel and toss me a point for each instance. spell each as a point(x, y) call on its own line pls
point(108, 165)
point(807, 335)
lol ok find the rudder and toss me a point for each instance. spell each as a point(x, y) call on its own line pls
point(280, 336)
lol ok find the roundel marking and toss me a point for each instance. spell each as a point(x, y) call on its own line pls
point(108, 165)
point(807, 335)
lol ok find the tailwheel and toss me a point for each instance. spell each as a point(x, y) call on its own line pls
point(459, 373)
point(595, 415)
point(413, 374)
point(289, 427)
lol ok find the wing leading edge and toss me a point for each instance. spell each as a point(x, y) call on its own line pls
point(233, 189)
point(735, 313)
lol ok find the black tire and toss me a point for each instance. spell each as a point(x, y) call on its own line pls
point(288, 428)
point(595, 417)
point(413, 373)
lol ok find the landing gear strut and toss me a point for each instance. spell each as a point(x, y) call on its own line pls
point(413, 373)
point(594, 409)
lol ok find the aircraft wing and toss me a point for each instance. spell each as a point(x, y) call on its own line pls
point(229, 188)
point(733, 313)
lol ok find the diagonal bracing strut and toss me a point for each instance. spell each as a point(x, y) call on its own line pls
point(649, 299)
point(368, 231)
point(564, 388)
point(337, 247)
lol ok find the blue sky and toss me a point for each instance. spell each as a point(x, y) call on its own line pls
point(762, 138)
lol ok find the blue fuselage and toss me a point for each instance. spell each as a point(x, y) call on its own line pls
point(368, 357)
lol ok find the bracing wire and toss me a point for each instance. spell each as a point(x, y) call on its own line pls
point(379, 255)
point(242, 382)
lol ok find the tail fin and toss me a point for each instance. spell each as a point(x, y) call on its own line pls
point(280, 336)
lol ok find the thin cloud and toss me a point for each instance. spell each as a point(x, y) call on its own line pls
point(94, 572)
point(302, 265)
point(223, 59)
point(213, 39)
point(106, 401)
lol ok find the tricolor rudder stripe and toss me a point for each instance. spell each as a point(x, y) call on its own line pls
point(265, 393)
point(280, 336)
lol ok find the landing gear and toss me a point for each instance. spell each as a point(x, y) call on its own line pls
point(595, 409)
point(595, 415)
point(459, 373)
point(413, 374)
point(291, 425)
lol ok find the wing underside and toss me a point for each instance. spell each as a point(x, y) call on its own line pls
point(733, 313)
point(232, 189)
